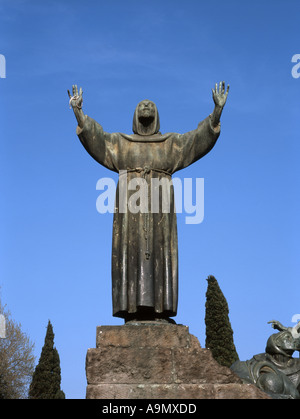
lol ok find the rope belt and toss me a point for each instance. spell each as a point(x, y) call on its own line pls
point(146, 171)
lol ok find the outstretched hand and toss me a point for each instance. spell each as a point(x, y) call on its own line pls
point(76, 103)
point(75, 100)
point(219, 94)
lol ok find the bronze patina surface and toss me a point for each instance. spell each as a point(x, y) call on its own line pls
point(144, 248)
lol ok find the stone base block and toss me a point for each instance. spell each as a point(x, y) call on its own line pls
point(158, 361)
point(174, 391)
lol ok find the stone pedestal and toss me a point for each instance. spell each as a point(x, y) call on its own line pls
point(158, 361)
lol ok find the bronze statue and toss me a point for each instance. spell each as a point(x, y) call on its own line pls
point(144, 249)
point(276, 372)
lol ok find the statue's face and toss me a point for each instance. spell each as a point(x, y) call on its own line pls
point(146, 109)
point(145, 118)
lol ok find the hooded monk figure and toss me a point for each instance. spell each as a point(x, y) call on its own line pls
point(144, 248)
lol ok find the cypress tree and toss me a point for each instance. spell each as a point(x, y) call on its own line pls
point(46, 378)
point(219, 334)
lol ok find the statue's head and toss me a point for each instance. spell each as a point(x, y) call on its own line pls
point(285, 342)
point(146, 118)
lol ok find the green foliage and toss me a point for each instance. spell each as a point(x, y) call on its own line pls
point(219, 334)
point(47, 375)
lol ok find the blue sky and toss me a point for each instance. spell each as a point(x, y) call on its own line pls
point(55, 247)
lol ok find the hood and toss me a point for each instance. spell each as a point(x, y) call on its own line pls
point(137, 126)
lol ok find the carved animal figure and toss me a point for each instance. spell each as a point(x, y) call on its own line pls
point(276, 372)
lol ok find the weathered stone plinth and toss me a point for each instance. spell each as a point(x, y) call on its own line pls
point(158, 361)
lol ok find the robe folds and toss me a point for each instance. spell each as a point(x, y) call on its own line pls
point(144, 248)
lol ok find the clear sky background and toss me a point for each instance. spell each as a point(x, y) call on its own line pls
point(55, 248)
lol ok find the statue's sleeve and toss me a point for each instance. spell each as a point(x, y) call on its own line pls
point(101, 145)
point(191, 146)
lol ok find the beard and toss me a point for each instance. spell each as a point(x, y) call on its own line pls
point(146, 121)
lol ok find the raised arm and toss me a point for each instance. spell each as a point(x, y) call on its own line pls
point(193, 145)
point(76, 104)
point(219, 97)
point(101, 145)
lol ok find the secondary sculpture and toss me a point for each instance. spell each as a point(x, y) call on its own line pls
point(276, 372)
point(144, 249)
